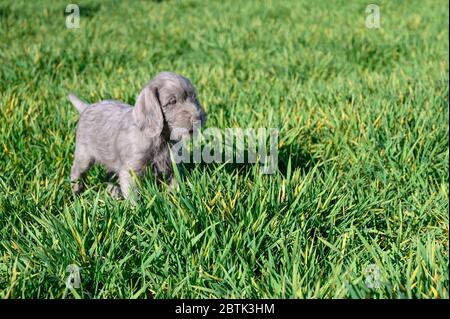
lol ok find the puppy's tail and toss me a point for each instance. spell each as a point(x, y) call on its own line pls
point(79, 104)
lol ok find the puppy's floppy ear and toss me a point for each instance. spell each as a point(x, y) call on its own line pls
point(147, 112)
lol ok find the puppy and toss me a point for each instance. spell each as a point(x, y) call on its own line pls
point(126, 139)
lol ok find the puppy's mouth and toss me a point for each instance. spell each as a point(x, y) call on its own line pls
point(178, 134)
point(187, 129)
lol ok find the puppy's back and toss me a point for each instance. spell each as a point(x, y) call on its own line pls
point(97, 130)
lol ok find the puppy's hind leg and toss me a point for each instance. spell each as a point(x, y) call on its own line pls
point(81, 165)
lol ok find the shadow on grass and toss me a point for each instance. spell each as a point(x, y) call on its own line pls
point(299, 156)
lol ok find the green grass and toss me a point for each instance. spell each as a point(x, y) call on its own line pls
point(363, 150)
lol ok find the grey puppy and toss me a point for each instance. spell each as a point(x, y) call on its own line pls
point(126, 139)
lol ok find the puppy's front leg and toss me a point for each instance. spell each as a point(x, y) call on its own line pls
point(80, 166)
point(162, 165)
point(173, 185)
point(127, 186)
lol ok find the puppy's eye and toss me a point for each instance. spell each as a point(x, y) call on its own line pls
point(172, 101)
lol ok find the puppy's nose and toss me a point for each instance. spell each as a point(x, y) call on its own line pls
point(201, 114)
point(197, 120)
point(203, 118)
point(199, 117)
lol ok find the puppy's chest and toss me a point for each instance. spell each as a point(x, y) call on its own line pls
point(141, 157)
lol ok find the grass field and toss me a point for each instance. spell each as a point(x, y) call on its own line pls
point(363, 150)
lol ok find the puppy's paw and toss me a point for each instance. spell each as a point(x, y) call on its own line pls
point(114, 191)
point(173, 186)
point(77, 188)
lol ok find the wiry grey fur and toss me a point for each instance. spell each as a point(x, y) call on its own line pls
point(126, 139)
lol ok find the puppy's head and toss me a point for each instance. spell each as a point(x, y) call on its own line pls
point(169, 100)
